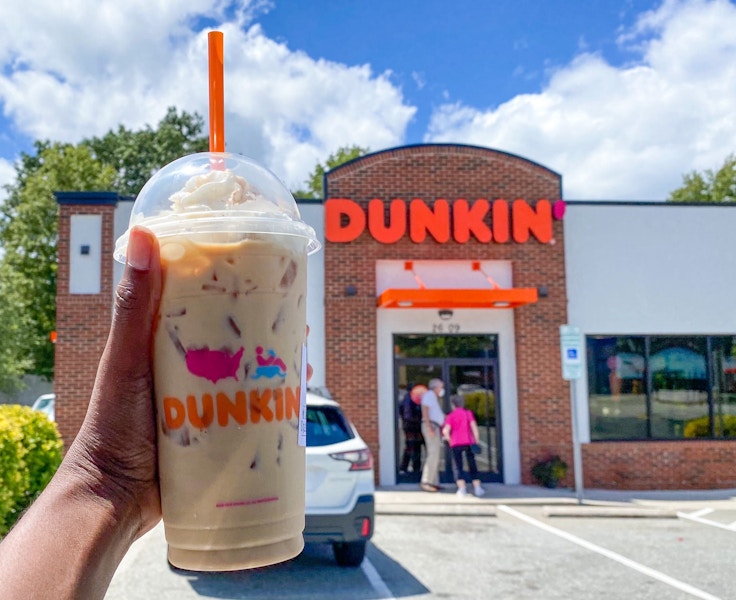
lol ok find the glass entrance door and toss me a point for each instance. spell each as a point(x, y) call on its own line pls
point(410, 448)
point(469, 366)
point(477, 383)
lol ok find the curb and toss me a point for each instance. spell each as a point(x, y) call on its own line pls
point(408, 500)
point(616, 512)
point(436, 509)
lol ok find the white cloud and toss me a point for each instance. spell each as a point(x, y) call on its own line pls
point(306, 108)
point(628, 132)
point(420, 79)
point(82, 67)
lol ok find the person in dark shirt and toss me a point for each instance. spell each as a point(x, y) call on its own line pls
point(410, 411)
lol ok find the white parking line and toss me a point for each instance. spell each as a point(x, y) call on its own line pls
point(702, 512)
point(694, 516)
point(671, 581)
point(378, 584)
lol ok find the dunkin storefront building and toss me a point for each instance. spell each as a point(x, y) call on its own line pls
point(462, 263)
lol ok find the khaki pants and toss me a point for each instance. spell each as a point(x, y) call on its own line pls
point(433, 443)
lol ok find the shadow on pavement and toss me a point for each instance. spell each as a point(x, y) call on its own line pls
point(312, 574)
point(400, 581)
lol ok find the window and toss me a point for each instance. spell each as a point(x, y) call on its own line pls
point(326, 425)
point(445, 346)
point(661, 387)
point(617, 387)
point(723, 365)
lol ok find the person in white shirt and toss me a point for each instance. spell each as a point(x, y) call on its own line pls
point(432, 419)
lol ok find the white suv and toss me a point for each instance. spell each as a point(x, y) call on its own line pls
point(340, 487)
point(46, 404)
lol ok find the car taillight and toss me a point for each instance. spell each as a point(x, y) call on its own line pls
point(363, 526)
point(360, 460)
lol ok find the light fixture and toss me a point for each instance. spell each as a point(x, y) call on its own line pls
point(351, 290)
point(542, 291)
point(445, 314)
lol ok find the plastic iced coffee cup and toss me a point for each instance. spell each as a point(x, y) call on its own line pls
point(229, 360)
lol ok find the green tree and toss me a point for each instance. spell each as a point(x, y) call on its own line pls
point(709, 186)
point(120, 161)
point(136, 155)
point(28, 233)
point(315, 181)
point(14, 360)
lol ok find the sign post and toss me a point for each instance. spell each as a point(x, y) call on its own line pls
point(571, 348)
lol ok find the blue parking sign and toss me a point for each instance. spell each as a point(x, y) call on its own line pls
point(571, 349)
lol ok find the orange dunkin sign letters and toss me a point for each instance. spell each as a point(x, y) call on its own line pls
point(499, 221)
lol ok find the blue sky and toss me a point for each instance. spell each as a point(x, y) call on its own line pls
point(482, 53)
point(620, 96)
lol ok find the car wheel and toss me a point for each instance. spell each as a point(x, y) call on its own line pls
point(349, 554)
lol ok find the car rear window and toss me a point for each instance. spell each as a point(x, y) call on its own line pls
point(326, 425)
point(40, 405)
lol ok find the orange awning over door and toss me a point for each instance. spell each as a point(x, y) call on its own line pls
point(423, 297)
point(457, 298)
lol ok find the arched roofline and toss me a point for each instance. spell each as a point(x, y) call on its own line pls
point(395, 149)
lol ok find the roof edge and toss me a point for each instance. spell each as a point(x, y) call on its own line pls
point(440, 145)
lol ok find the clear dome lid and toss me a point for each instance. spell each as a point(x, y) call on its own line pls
point(212, 193)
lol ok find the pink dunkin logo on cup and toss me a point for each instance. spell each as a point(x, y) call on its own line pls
point(269, 403)
point(221, 364)
point(269, 364)
point(213, 364)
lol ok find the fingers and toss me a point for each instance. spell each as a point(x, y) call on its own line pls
point(116, 445)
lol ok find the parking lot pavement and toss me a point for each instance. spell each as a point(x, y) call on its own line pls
point(508, 544)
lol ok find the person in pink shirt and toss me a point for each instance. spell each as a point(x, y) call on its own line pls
point(461, 432)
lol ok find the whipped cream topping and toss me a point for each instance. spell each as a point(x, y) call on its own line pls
point(240, 199)
point(218, 191)
point(215, 190)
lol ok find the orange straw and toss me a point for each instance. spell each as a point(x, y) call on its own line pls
point(217, 95)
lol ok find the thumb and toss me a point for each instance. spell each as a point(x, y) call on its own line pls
point(128, 352)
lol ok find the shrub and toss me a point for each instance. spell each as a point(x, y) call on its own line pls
point(700, 427)
point(30, 453)
point(549, 471)
point(13, 478)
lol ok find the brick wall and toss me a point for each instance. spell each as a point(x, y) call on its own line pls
point(677, 465)
point(426, 172)
point(451, 172)
point(82, 323)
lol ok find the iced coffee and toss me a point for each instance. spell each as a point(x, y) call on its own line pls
point(230, 366)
